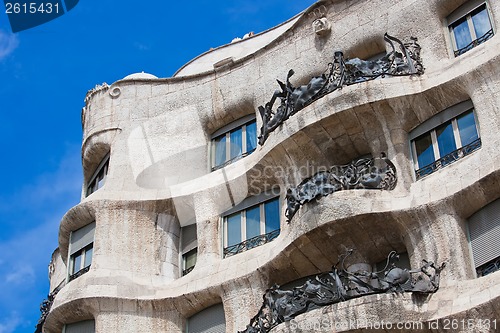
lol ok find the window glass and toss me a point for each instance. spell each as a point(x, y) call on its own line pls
point(251, 136)
point(481, 21)
point(253, 222)
point(272, 211)
point(462, 33)
point(445, 139)
point(220, 150)
point(190, 259)
point(88, 256)
point(424, 150)
point(467, 128)
point(235, 143)
point(234, 229)
point(77, 262)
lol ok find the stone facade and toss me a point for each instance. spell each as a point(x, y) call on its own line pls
point(158, 134)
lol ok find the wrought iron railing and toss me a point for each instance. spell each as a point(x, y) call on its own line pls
point(448, 159)
point(46, 305)
point(474, 43)
point(187, 270)
point(79, 273)
point(489, 267)
point(251, 243)
point(234, 159)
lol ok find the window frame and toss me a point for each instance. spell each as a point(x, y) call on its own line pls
point(465, 11)
point(242, 209)
point(451, 114)
point(81, 240)
point(93, 184)
point(186, 270)
point(226, 131)
point(83, 269)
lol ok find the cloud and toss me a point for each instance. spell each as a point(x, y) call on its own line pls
point(21, 274)
point(8, 43)
point(142, 46)
point(8, 325)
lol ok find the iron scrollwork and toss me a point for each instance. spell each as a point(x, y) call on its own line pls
point(45, 307)
point(404, 59)
point(341, 284)
point(365, 173)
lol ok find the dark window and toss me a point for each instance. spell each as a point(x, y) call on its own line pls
point(99, 177)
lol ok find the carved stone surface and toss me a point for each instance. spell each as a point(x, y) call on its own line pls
point(404, 59)
point(341, 284)
point(321, 26)
point(365, 173)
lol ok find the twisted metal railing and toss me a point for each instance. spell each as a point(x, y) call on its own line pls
point(339, 285)
point(474, 43)
point(251, 243)
point(404, 59)
point(448, 159)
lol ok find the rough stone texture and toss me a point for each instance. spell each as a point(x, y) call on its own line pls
point(158, 133)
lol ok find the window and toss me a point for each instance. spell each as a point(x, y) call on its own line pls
point(99, 177)
point(189, 250)
point(445, 138)
point(210, 320)
point(470, 25)
point(484, 238)
point(81, 249)
point(252, 225)
point(233, 142)
point(86, 326)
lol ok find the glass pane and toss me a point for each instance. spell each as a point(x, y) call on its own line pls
point(445, 139)
point(467, 128)
point(233, 229)
point(251, 136)
point(235, 143)
point(220, 150)
point(77, 262)
point(462, 33)
point(253, 222)
point(272, 211)
point(88, 256)
point(423, 146)
point(190, 259)
point(481, 21)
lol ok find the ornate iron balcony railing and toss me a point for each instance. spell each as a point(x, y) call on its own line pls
point(79, 273)
point(448, 159)
point(339, 285)
point(251, 243)
point(46, 305)
point(489, 267)
point(474, 43)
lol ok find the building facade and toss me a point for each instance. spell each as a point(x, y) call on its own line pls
point(207, 191)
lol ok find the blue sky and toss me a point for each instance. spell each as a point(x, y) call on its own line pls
point(45, 73)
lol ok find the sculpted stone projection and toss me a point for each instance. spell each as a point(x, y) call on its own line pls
point(341, 284)
point(404, 59)
point(365, 173)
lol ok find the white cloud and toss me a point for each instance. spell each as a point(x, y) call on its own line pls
point(8, 43)
point(21, 274)
point(8, 325)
